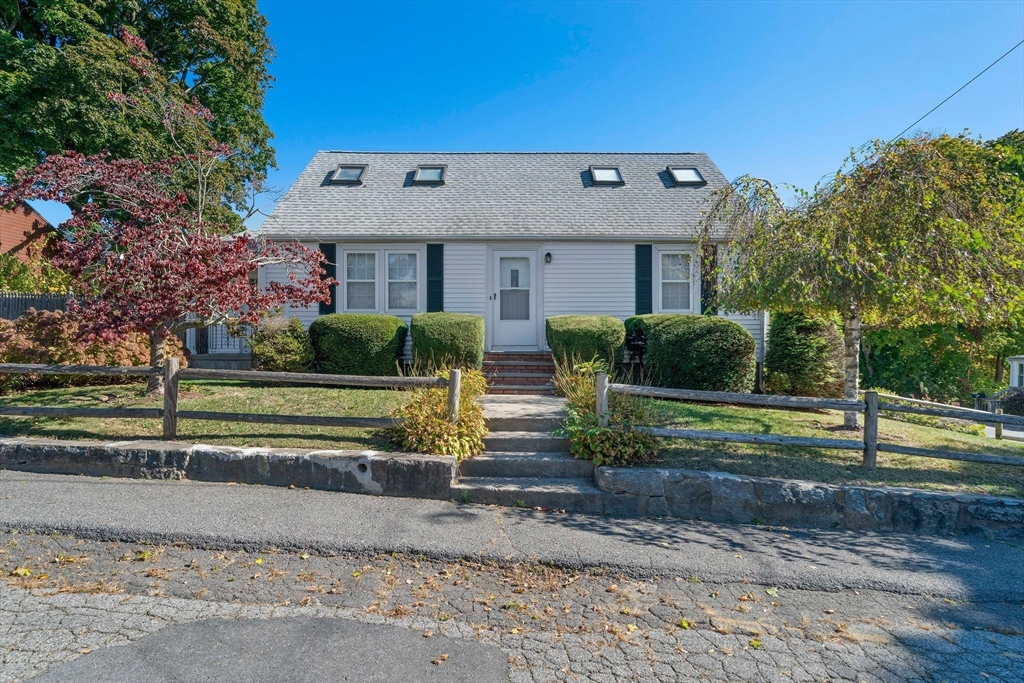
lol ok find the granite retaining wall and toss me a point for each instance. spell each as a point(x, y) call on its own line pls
point(723, 497)
point(371, 472)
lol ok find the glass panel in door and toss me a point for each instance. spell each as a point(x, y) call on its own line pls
point(514, 288)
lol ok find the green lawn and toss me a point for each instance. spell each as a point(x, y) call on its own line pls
point(220, 396)
point(769, 461)
point(834, 466)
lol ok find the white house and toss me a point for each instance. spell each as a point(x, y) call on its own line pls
point(1016, 372)
point(513, 237)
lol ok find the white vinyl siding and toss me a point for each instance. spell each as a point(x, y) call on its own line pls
point(465, 277)
point(754, 324)
point(591, 278)
point(595, 278)
point(278, 272)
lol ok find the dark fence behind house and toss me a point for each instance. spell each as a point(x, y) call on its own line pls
point(14, 304)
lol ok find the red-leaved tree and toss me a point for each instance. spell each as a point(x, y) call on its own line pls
point(143, 261)
point(140, 249)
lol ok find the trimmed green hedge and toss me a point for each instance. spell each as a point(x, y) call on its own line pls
point(583, 337)
point(700, 352)
point(448, 339)
point(805, 356)
point(358, 343)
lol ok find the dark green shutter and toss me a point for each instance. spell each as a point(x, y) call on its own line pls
point(330, 252)
point(644, 269)
point(435, 277)
point(709, 280)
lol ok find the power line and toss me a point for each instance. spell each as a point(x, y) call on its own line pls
point(867, 145)
point(955, 92)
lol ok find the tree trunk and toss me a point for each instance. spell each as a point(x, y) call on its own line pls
point(1000, 368)
point(851, 338)
point(157, 353)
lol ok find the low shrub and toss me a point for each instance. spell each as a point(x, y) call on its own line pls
point(423, 421)
point(1013, 404)
point(53, 338)
point(358, 343)
point(699, 352)
point(448, 340)
point(638, 329)
point(586, 336)
point(805, 356)
point(280, 344)
point(619, 444)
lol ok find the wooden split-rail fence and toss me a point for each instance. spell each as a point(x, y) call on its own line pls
point(869, 444)
point(173, 373)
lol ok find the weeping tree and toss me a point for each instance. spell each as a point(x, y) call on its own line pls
point(928, 229)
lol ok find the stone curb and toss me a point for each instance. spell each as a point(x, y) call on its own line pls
point(723, 497)
point(371, 472)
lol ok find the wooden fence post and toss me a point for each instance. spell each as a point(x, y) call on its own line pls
point(170, 398)
point(999, 425)
point(601, 385)
point(454, 387)
point(870, 428)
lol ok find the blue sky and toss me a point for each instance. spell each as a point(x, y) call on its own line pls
point(781, 90)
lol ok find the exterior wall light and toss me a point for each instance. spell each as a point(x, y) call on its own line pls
point(547, 257)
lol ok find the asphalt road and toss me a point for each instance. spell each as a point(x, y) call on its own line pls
point(255, 517)
point(298, 650)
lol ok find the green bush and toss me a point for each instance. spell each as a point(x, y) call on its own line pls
point(700, 352)
point(639, 327)
point(1013, 404)
point(805, 356)
point(448, 340)
point(358, 343)
point(281, 344)
point(584, 337)
point(619, 444)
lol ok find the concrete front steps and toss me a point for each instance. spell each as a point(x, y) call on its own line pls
point(522, 373)
point(523, 464)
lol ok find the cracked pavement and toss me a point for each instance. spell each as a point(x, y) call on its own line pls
point(64, 598)
point(671, 601)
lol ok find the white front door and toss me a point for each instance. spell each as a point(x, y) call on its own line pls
point(514, 300)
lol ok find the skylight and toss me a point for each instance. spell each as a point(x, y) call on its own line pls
point(683, 175)
point(348, 174)
point(430, 175)
point(606, 175)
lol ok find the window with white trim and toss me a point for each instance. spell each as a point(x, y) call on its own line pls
point(1020, 374)
point(676, 281)
point(361, 281)
point(403, 283)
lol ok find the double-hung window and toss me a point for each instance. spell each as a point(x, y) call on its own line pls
point(403, 284)
point(361, 281)
point(376, 279)
point(676, 281)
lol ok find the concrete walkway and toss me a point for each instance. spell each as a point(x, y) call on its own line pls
point(509, 413)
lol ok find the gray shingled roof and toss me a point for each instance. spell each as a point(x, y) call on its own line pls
point(494, 195)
